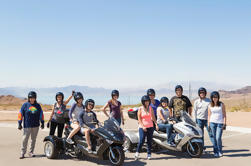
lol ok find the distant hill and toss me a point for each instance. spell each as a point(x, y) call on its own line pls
point(244, 90)
point(10, 100)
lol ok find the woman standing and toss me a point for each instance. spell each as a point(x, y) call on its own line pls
point(146, 118)
point(115, 108)
point(217, 122)
point(57, 118)
point(30, 114)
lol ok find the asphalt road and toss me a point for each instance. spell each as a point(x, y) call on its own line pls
point(237, 152)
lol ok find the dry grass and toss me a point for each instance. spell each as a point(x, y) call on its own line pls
point(238, 102)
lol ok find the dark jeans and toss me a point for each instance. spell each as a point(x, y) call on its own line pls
point(217, 129)
point(203, 123)
point(142, 136)
point(168, 129)
point(118, 120)
point(53, 127)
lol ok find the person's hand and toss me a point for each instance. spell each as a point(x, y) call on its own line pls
point(224, 126)
point(42, 126)
point(92, 130)
point(144, 128)
point(20, 127)
point(48, 124)
point(157, 127)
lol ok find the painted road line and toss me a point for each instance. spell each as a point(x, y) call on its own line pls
point(239, 129)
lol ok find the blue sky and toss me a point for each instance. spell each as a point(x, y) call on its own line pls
point(117, 44)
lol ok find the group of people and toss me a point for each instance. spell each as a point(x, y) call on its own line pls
point(152, 115)
point(161, 115)
point(82, 118)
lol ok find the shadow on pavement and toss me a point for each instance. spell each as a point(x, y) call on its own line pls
point(236, 154)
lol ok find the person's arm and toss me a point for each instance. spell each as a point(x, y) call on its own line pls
point(71, 110)
point(154, 119)
point(171, 108)
point(190, 110)
point(209, 115)
point(189, 106)
point(95, 119)
point(69, 98)
point(41, 118)
point(159, 113)
point(140, 120)
point(104, 109)
point(20, 117)
point(122, 116)
point(80, 118)
point(195, 109)
point(224, 114)
point(52, 113)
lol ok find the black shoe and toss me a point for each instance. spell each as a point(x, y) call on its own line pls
point(21, 157)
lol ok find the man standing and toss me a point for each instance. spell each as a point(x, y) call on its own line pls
point(179, 103)
point(201, 112)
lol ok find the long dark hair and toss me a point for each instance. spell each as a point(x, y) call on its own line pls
point(215, 94)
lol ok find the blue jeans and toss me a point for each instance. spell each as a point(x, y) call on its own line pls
point(217, 129)
point(168, 129)
point(118, 120)
point(142, 136)
point(203, 123)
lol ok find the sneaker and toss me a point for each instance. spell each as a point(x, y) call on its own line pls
point(220, 154)
point(69, 141)
point(171, 144)
point(89, 150)
point(22, 156)
point(205, 152)
point(216, 155)
point(136, 156)
point(148, 157)
point(31, 154)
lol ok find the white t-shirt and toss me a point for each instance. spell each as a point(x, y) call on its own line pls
point(201, 108)
point(216, 114)
point(165, 113)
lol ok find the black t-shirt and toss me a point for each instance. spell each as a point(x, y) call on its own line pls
point(179, 103)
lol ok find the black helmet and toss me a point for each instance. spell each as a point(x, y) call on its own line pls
point(32, 94)
point(78, 95)
point(164, 99)
point(89, 101)
point(150, 92)
point(202, 90)
point(215, 93)
point(115, 93)
point(178, 87)
point(60, 94)
point(144, 99)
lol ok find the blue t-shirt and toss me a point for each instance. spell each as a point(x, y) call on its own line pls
point(31, 114)
point(155, 106)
